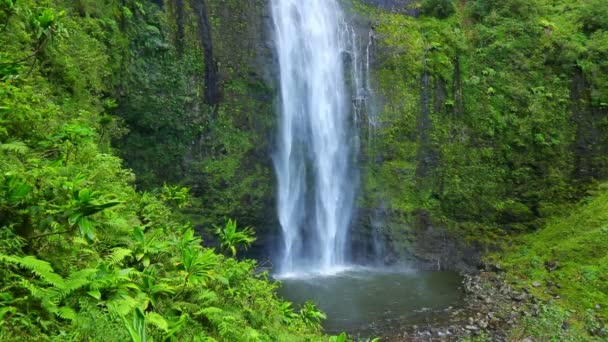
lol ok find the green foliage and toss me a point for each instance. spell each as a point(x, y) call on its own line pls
point(511, 130)
point(311, 315)
point(575, 243)
point(137, 327)
point(231, 237)
point(549, 326)
point(438, 8)
point(174, 136)
point(492, 125)
point(83, 255)
point(593, 15)
point(175, 195)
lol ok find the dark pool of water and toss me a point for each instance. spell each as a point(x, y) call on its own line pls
point(378, 302)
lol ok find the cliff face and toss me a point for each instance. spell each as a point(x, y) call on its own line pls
point(488, 119)
point(487, 125)
point(198, 104)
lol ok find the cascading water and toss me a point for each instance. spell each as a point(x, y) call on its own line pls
point(325, 121)
point(315, 161)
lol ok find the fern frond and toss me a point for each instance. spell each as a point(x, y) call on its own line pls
point(207, 296)
point(39, 267)
point(48, 299)
point(158, 321)
point(122, 306)
point(185, 306)
point(66, 312)
point(118, 255)
point(15, 147)
point(163, 288)
point(252, 335)
point(77, 279)
point(5, 310)
point(227, 326)
point(210, 312)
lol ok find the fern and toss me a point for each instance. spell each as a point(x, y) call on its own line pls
point(122, 305)
point(15, 147)
point(158, 321)
point(66, 313)
point(227, 326)
point(118, 255)
point(207, 296)
point(210, 312)
point(185, 307)
point(6, 310)
point(80, 278)
point(251, 334)
point(39, 267)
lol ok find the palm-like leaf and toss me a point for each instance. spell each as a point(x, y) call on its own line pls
point(231, 237)
point(198, 264)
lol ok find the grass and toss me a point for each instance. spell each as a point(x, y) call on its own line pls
point(577, 290)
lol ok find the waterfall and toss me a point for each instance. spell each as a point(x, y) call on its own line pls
point(315, 160)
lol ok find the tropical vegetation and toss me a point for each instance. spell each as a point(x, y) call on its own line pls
point(131, 129)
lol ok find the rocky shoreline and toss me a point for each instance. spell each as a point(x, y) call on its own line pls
point(493, 308)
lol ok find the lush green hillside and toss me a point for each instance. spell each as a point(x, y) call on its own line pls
point(566, 264)
point(83, 255)
point(491, 125)
point(492, 114)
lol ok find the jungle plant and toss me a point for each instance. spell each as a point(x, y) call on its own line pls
point(197, 265)
point(231, 238)
point(176, 196)
point(136, 327)
point(312, 316)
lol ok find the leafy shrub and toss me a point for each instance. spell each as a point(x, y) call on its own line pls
point(438, 8)
point(83, 255)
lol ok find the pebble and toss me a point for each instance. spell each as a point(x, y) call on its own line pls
point(536, 284)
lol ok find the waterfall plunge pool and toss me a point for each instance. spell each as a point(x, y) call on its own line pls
point(370, 302)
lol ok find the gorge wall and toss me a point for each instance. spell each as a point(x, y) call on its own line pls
point(474, 140)
point(478, 139)
point(199, 108)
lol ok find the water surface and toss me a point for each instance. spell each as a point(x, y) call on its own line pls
point(378, 303)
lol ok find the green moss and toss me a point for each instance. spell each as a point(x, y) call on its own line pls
point(576, 245)
point(83, 254)
point(483, 103)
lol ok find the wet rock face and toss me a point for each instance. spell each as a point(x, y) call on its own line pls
point(414, 239)
point(242, 37)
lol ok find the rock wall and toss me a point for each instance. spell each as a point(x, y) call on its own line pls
point(198, 105)
point(473, 140)
point(476, 140)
